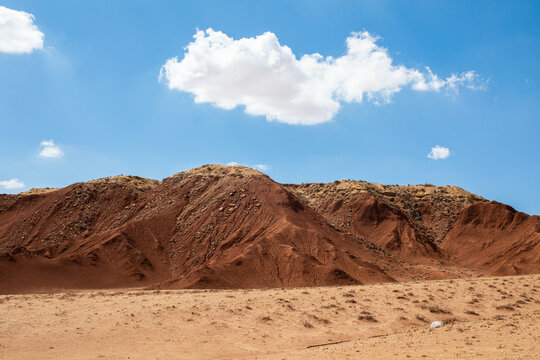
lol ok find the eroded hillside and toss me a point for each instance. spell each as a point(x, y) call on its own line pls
point(233, 227)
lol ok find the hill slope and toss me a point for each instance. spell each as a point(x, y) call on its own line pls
point(234, 227)
point(496, 238)
point(408, 221)
point(215, 226)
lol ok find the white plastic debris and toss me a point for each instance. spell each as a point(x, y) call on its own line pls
point(435, 324)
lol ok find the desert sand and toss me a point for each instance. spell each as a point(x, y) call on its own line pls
point(484, 318)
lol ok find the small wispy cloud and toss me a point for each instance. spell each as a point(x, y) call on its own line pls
point(12, 184)
point(50, 150)
point(18, 33)
point(439, 152)
point(260, 167)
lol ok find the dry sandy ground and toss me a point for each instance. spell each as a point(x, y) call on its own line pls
point(491, 318)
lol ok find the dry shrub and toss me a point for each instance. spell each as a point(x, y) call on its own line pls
point(369, 318)
point(449, 321)
point(437, 310)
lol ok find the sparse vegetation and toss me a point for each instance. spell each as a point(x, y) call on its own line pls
point(367, 318)
point(437, 310)
point(449, 321)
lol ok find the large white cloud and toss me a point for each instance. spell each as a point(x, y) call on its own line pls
point(439, 152)
point(267, 78)
point(50, 150)
point(18, 34)
point(12, 184)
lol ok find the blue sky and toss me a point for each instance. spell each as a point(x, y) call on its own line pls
point(93, 88)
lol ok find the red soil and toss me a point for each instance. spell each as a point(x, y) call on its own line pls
point(495, 238)
point(233, 227)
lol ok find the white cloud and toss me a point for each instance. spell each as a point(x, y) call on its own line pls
point(18, 34)
point(268, 80)
point(47, 143)
point(439, 152)
point(261, 167)
point(50, 150)
point(12, 184)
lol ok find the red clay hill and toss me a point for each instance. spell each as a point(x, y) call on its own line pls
point(233, 227)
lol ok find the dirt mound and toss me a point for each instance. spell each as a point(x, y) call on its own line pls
point(213, 170)
point(233, 227)
point(34, 191)
point(408, 221)
point(496, 238)
point(133, 182)
point(215, 226)
point(72, 237)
